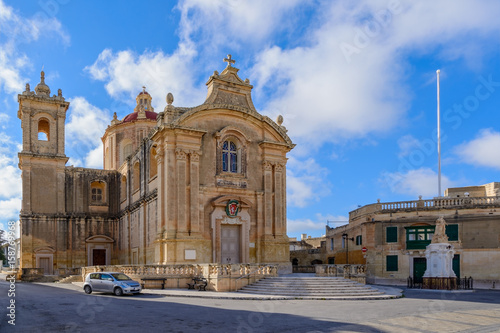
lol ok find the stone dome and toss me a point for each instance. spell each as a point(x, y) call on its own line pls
point(42, 89)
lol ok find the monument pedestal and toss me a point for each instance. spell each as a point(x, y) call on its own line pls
point(439, 273)
point(442, 283)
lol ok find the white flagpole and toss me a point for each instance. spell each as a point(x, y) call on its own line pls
point(438, 137)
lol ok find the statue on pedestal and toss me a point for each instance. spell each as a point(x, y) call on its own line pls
point(439, 273)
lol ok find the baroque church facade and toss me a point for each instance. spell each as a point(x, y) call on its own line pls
point(187, 185)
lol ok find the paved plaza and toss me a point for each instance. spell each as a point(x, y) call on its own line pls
point(44, 307)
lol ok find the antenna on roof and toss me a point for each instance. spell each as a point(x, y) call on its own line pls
point(438, 136)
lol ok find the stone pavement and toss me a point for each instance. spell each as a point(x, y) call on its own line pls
point(418, 311)
point(431, 311)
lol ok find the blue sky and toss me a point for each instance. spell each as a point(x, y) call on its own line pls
point(354, 80)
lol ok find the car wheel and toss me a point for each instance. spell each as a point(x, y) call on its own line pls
point(118, 291)
point(87, 289)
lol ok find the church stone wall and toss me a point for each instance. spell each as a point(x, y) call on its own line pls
point(163, 193)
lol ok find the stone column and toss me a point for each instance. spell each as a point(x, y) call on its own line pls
point(170, 192)
point(268, 198)
point(194, 191)
point(26, 122)
point(278, 196)
point(160, 223)
point(182, 182)
point(61, 117)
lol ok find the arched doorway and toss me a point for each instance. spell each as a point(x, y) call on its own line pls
point(99, 250)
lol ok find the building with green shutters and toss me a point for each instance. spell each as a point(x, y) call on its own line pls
point(391, 238)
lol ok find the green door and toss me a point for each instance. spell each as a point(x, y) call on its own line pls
point(419, 267)
point(456, 265)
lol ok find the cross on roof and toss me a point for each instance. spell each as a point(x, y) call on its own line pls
point(229, 60)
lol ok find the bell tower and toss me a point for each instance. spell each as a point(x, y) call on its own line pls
point(42, 159)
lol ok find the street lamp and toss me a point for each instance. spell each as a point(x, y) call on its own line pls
point(346, 238)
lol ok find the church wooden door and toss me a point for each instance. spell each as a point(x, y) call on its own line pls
point(45, 264)
point(230, 244)
point(98, 257)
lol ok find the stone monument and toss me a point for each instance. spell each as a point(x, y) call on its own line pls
point(439, 273)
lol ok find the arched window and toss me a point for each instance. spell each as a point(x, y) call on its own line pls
point(97, 189)
point(229, 157)
point(43, 130)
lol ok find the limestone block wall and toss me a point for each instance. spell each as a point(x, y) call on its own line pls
point(60, 243)
point(78, 191)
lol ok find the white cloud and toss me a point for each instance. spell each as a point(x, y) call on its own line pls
point(318, 225)
point(407, 144)
point(306, 182)
point(227, 22)
point(74, 161)
point(10, 182)
point(423, 181)
point(342, 75)
point(126, 72)
point(10, 177)
point(84, 129)
point(205, 28)
point(94, 158)
point(328, 93)
point(9, 209)
point(481, 151)
point(14, 30)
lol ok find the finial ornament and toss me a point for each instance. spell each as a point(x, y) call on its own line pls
point(229, 60)
point(143, 89)
point(279, 120)
point(42, 77)
point(27, 87)
point(170, 98)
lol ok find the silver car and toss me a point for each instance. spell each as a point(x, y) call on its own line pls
point(111, 282)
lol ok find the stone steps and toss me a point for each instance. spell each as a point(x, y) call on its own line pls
point(314, 288)
point(71, 279)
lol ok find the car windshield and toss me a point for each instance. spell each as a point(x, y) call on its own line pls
point(121, 277)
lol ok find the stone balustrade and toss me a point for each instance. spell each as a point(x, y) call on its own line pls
point(431, 204)
point(352, 272)
point(220, 277)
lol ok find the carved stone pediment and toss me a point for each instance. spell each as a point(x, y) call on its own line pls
point(227, 88)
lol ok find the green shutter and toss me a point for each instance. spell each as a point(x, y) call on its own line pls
point(391, 235)
point(452, 232)
point(391, 263)
point(359, 240)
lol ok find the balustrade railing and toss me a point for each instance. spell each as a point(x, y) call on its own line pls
point(353, 272)
point(201, 270)
point(436, 203)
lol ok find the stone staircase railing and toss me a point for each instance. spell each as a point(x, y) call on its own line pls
point(352, 272)
point(220, 277)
